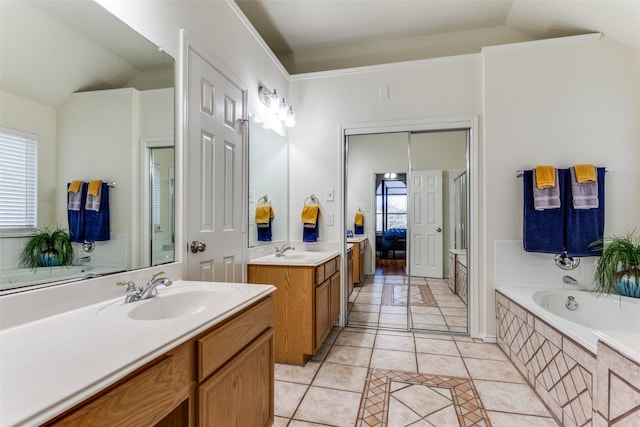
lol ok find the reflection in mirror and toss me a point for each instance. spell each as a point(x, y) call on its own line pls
point(103, 92)
point(268, 185)
point(412, 189)
point(162, 181)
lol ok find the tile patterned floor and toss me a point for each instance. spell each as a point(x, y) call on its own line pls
point(368, 377)
point(381, 301)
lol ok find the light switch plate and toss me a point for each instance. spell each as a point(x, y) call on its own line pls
point(330, 218)
point(330, 195)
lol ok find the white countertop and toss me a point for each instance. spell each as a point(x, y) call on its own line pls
point(296, 259)
point(357, 238)
point(49, 365)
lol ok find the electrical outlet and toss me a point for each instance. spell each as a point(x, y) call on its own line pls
point(330, 195)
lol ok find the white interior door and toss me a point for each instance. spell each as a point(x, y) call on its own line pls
point(213, 206)
point(426, 223)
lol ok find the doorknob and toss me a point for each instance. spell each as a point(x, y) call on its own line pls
point(439, 230)
point(198, 246)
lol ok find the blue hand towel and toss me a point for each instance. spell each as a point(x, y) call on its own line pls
point(75, 213)
point(264, 232)
point(358, 229)
point(97, 223)
point(310, 234)
point(584, 226)
point(543, 230)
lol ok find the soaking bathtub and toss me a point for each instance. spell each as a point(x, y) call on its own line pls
point(595, 312)
point(557, 349)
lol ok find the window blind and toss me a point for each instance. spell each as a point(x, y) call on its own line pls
point(18, 180)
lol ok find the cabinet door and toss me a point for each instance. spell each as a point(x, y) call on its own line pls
point(241, 393)
point(350, 277)
point(323, 312)
point(361, 264)
point(334, 308)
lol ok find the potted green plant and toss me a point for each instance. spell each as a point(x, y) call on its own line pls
point(619, 265)
point(49, 247)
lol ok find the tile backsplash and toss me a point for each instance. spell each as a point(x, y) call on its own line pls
point(514, 267)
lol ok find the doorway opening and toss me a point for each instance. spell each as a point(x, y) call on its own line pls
point(391, 223)
point(414, 231)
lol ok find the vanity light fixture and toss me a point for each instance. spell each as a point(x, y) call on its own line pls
point(277, 106)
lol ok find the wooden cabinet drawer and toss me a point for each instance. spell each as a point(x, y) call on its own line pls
point(320, 274)
point(218, 346)
point(331, 267)
point(142, 398)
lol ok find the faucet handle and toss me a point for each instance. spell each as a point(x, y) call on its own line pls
point(155, 276)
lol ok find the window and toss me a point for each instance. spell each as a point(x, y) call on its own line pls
point(391, 202)
point(18, 181)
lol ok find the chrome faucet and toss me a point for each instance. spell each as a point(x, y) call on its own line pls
point(281, 251)
point(83, 259)
point(137, 293)
point(569, 280)
point(150, 290)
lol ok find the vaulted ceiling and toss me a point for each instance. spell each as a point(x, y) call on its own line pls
point(318, 35)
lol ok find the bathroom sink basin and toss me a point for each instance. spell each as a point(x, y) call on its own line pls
point(171, 305)
point(177, 302)
point(296, 258)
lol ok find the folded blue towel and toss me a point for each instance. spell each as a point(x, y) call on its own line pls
point(310, 234)
point(97, 223)
point(543, 230)
point(264, 232)
point(75, 213)
point(358, 229)
point(584, 226)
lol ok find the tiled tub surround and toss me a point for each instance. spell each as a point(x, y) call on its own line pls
point(561, 364)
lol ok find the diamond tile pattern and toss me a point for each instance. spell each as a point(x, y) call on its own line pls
point(564, 384)
point(374, 409)
point(396, 295)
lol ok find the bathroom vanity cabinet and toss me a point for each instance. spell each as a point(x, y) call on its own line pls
point(349, 270)
point(223, 376)
point(359, 248)
point(307, 304)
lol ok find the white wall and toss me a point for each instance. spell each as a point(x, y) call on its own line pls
point(427, 89)
point(558, 102)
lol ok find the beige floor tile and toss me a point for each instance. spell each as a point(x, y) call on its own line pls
point(501, 419)
point(425, 310)
point(347, 355)
point(432, 336)
point(356, 339)
point(395, 342)
point(297, 423)
point(452, 311)
point(428, 319)
point(481, 351)
point(393, 319)
point(363, 317)
point(455, 320)
point(430, 327)
point(436, 346)
point(328, 406)
point(367, 308)
point(422, 400)
point(297, 374)
point(400, 415)
point(280, 422)
point(287, 397)
point(462, 329)
point(493, 370)
point(445, 417)
point(458, 338)
point(396, 333)
point(321, 353)
point(366, 299)
point(509, 397)
point(392, 309)
point(341, 377)
point(394, 360)
point(358, 329)
point(441, 365)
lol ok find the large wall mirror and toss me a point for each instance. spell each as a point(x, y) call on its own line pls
point(412, 189)
point(268, 185)
point(98, 99)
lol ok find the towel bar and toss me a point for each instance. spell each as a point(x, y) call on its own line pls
point(520, 172)
point(311, 198)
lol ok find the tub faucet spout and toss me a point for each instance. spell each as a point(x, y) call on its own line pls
point(569, 280)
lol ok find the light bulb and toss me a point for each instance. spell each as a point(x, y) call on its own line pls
point(290, 120)
point(283, 111)
point(274, 102)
